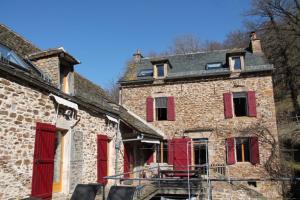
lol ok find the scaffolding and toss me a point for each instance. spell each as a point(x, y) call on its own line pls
point(195, 175)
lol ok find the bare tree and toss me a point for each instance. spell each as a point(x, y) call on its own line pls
point(113, 91)
point(212, 45)
point(278, 22)
point(184, 44)
point(236, 39)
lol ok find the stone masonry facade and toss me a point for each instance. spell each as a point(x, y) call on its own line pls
point(50, 66)
point(199, 106)
point(21, 107)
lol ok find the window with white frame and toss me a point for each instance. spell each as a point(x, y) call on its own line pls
point(160, 71)
point(236, 63)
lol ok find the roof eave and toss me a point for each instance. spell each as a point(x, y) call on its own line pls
point(54, 52)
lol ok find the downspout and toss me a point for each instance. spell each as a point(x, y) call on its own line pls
point(117, 149)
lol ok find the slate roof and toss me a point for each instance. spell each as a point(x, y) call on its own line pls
point(137, 123)
point(194, 65)
point(89, 90)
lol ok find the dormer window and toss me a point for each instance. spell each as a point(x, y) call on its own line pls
point(236, 63)
point(66, 78)
point(160, 70)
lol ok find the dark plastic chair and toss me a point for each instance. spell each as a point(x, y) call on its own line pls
point(121, 193)
point(86, 191)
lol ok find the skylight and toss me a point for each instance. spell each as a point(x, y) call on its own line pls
point(145, 73)
point(214, 65)
point(10, 56)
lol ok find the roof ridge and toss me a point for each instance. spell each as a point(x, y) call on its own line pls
point(192, 53)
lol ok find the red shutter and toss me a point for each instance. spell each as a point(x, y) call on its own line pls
point(170, 152)
point(150, 158)
point(182, 147)
point(254, 150)
point(171, 109)
point(149, 109)
point(230, 151)
point(102, 141)
point(227, 105)
point(251, 104)
point(43, 161)
point(126, 161)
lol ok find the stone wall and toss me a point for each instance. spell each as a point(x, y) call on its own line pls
point(20, 108)
point(50, 65)
point(199, 107)
point(241, 190)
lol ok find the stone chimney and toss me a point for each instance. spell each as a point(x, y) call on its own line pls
point(255, 45)
point(137, 56)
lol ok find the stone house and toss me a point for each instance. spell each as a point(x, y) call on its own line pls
point(217, 112)
point(58, 129)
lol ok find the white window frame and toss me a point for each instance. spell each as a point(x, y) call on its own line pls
point(231, 63)
point(155, 71)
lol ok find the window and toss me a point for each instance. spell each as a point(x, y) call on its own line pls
point(242, 148)
point(236, 63)
point(64, 79)
point(145, 73)
point(162, 152)
point(160, 70)
point(214, 65)
point(200, 154)
point(8, 55)
point(161, 108)
point(240, 104)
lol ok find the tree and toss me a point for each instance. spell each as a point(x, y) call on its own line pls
point(278, 22)
point(113, 91)
point(236, 39)
point(184, 44)
point(212, 45)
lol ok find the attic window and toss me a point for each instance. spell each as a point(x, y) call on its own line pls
point(7, 55)
point(145, 73)
point(160, 70)
point(214, 65)
point(236, 63)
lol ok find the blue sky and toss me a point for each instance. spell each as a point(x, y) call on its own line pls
point(103, 35)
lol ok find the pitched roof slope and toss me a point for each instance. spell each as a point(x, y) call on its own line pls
point(89, 90)
point(14, 41)
point(194, 64)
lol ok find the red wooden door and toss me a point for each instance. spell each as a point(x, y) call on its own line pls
point(181, 154)
point(43, 161)
point(102, 141)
